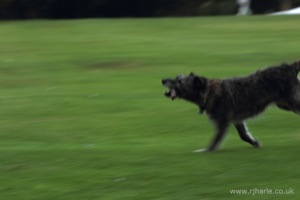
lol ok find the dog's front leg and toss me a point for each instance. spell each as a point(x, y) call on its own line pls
point(217, 139)
point(219, 136)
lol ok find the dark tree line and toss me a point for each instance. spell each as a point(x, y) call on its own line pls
point(58, 9)
point(20, 9)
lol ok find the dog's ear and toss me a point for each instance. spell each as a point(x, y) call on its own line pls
point(200, 83)
point(192, 74)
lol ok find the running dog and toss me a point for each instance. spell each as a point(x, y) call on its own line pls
point(233, 100)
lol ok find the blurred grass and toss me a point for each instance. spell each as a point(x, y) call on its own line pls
point(83, 114)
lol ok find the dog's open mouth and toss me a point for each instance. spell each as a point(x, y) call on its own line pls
point(171, 93)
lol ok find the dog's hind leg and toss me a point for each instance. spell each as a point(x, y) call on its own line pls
point(245, 135)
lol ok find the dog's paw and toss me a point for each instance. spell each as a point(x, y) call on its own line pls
point(257, 144)
point(201, 150)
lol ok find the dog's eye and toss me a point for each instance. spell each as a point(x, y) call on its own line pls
point(179, 77)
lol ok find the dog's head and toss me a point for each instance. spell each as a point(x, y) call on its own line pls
point(191, 87)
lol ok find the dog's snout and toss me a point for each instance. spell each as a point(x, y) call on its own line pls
point(163, 81)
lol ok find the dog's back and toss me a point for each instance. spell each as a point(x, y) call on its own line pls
point(248, 96)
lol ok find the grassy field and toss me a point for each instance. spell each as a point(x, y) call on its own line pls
point(83, 115)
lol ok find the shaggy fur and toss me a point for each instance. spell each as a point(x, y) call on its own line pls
point(232, 101)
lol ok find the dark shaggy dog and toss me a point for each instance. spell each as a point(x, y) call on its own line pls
point(236, 99)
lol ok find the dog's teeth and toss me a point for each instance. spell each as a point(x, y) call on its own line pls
point(173, 94)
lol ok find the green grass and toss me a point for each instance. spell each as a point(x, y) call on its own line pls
point(83, 115)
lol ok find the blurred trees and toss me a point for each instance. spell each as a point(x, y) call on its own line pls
point(267, 6)
point(19, 9)
point(27, 9)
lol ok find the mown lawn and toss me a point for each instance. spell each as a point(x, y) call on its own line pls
point(83, 115)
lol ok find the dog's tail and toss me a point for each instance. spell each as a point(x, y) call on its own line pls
point(296, 66)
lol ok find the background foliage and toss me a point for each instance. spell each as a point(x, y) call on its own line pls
point(24, 9)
